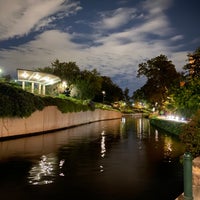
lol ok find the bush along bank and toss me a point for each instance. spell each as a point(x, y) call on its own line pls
point(188, 133)
point(15, 102)
point(172, 127)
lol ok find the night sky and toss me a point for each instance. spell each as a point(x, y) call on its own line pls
point(112, 36)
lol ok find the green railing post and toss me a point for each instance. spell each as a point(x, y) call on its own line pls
point(187, 166)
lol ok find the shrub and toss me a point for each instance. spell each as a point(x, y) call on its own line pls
point(15, 102)
point(190, 135)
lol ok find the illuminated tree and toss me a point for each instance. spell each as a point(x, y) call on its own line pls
point(192, 68)
point(161, 75)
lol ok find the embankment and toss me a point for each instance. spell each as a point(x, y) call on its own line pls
point(173, 127)
point(50, 119)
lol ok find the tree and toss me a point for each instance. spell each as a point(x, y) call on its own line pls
point(88, 84)
point(190, 135)
point(85, 84)
point(112, 91)
point(161, 75)
point(126, 96)
point(67, 71)
point(192, 68)
point(187, 97)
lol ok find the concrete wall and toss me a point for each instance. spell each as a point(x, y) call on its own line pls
point(50, 118)
point(196, 178)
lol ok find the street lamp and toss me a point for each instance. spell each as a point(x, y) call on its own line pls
point(104, 94)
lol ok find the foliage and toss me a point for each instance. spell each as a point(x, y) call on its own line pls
point(84, 84)
point(187, 98)
point(126, 96)
point(161, 75)
point(170, 126)
point(65, 70)
point(15, 102)
point(88, 85)
point(113, 92)
point(192, 68)
point(190, 135)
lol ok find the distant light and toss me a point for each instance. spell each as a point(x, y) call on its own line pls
point(25, 75)
point(175, 118)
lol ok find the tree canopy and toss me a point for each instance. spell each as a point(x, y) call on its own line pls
point(192, 68)
point(187, 95)
point(160, 74)
point(85, 84)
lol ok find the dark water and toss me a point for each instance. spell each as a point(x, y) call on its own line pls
point(111, 160)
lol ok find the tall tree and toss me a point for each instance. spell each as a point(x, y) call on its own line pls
point(186, 96)
point(112, 91)
point(160, 74)
point(192, 68)
point(88, 84)
point(66, 70)
point(126, 95)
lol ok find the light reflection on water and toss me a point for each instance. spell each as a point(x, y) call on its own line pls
point(112, 159)
point(44, 171)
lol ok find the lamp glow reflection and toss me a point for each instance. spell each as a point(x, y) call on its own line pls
point(103, 149)
point(43, 172)
point(103, 146)
point(168, 149)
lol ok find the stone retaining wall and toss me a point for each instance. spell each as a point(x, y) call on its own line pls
point(50, 118)
point(196, 178)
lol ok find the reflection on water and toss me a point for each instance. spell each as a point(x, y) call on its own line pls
point(103, 146)
point(168, 149)
point(115, 159)
point(43, 172)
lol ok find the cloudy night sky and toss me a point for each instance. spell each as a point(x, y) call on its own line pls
point(112, 36)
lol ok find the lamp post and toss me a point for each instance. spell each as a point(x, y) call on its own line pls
point(188, 193)
point(104, 94)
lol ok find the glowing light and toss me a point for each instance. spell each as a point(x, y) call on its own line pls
point(37, 76)
point(175, 118)
point(43, 172)
point(168, 149)
point(64, 84)
point(156, 135)
point(103, 146)
point(123, 120)
point(25, 75)
point(101, 168)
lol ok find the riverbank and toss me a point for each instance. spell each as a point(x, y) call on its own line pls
point(175, 127)
point(51, 119)
point(171, 126)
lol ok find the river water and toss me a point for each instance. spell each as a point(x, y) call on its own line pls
point(112, 160)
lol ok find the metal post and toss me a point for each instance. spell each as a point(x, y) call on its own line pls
point(187, 176)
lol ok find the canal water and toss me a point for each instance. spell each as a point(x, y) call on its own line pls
point(123, 159)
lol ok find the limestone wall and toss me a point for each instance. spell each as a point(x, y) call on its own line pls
point(50, 118)
point(196, 178)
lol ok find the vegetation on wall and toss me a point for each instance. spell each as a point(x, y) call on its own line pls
point(84, 84)
point(170, 126)
point(15, 102)
point(190, 135)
